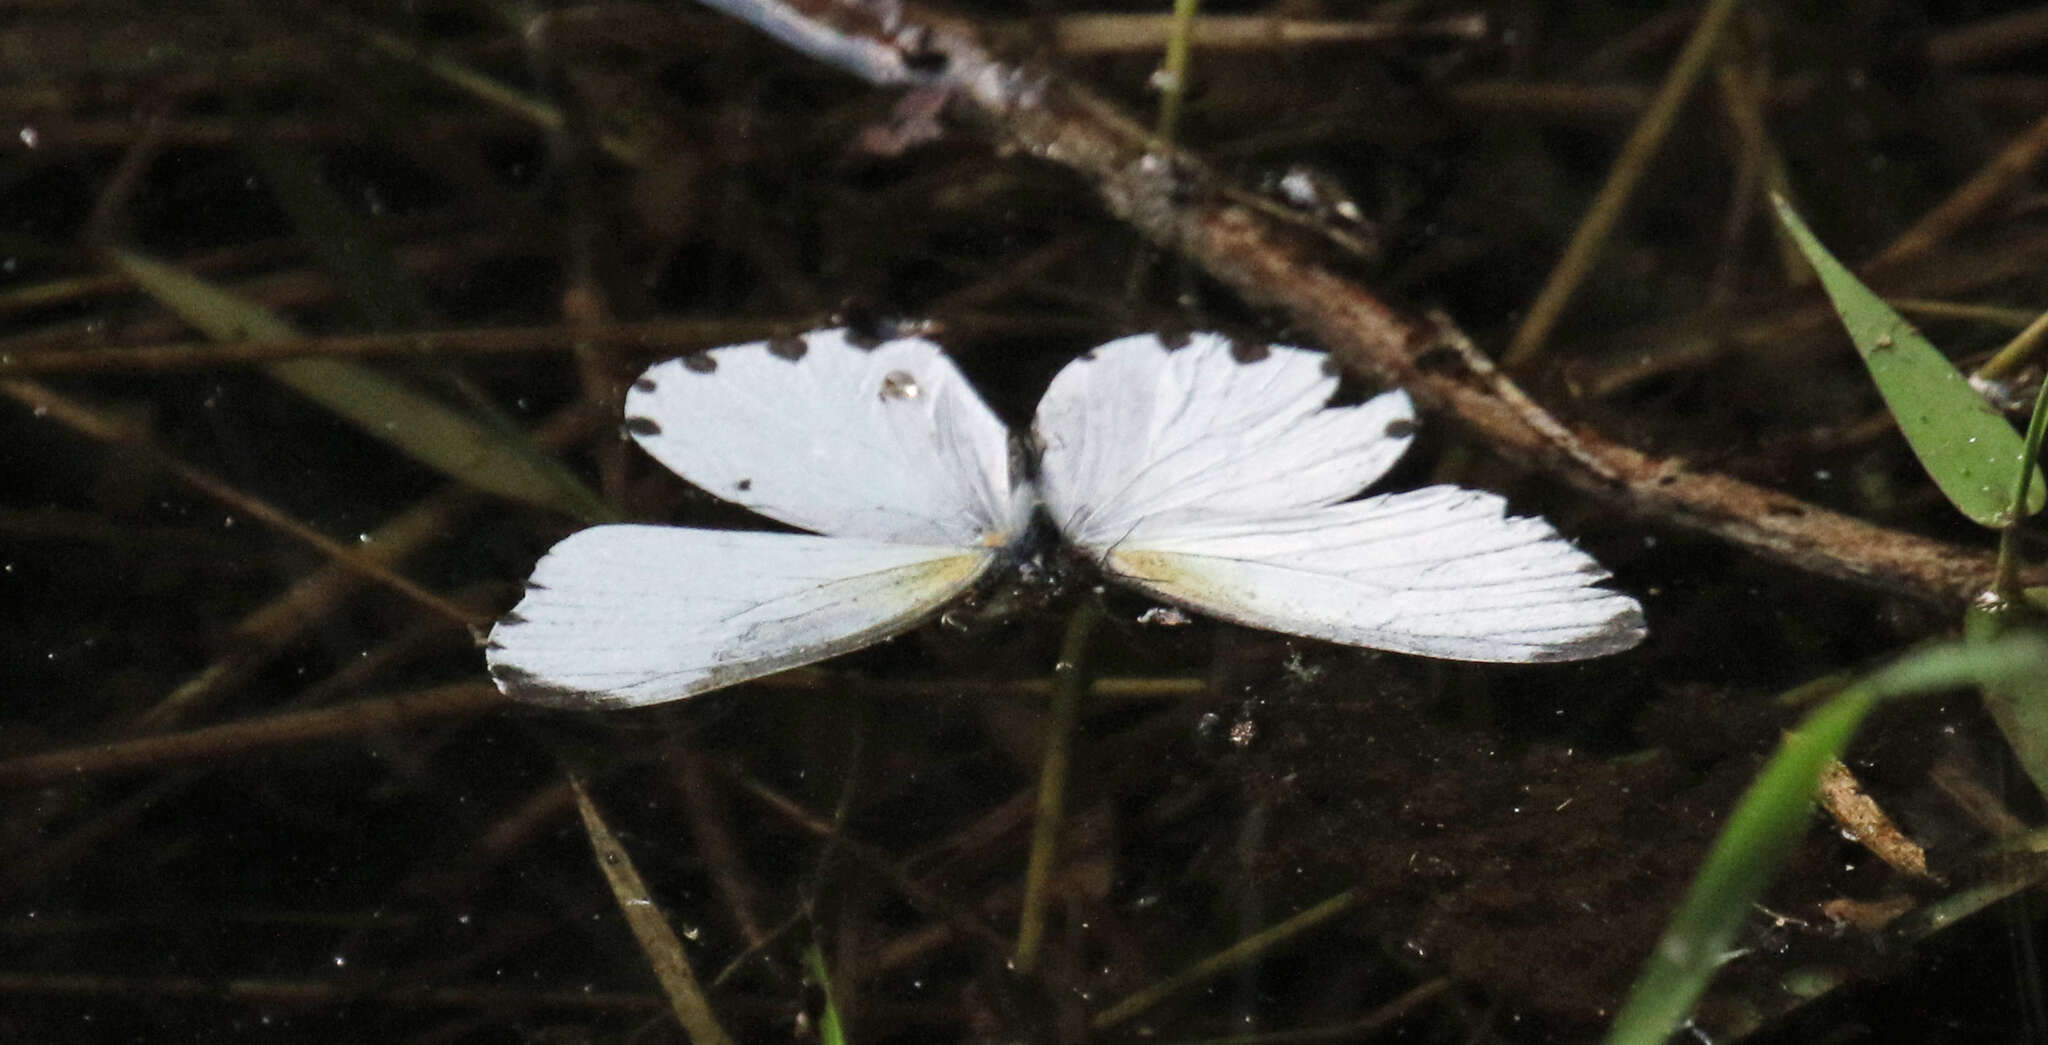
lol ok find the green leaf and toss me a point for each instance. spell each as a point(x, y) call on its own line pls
point(1966, 446)
point(419, 426)
point(1772, 815)
point(2019, 705)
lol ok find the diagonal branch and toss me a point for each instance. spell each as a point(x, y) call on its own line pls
point(1175, 201)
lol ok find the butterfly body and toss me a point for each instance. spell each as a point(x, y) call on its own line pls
point(1211, 476)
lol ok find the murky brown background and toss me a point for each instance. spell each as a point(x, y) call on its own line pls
point(1510, 840)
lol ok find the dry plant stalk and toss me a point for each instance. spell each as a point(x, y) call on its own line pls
point(1175, 201)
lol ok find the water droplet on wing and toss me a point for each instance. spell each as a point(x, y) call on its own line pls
point(898, 384)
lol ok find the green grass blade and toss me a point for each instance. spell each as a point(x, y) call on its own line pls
point(831, 1026)
point(419, 426)
point(2005, 583)
point(374, 279)
point(1966, 446)
point(1772, 815)
point(2018, 705)
point(218, 314)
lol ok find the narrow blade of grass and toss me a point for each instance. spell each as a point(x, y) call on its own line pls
point(372, 277)
point(664, 950)
point(419, 426)
point(2005, 583)
point(1965, 445)
point(1772, 815)
point(831, 1026)
point(1074, 674)
point(2018, 705)
point(1172, 77)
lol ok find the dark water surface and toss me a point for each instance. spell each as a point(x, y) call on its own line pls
point(398, 857)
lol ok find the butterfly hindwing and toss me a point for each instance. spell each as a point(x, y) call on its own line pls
point(887, 443)
point(1440, 572)
point(1138, 432)
point(1217, 477)
point(626, 615)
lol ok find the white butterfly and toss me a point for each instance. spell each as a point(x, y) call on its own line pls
point(1210, 475)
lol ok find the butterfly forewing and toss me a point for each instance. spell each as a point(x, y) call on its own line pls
point(620, 616)
point(885, 450)
point(1138, 432)
point(887, 443)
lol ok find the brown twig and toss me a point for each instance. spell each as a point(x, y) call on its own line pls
point(665, 337)
point(1962, 784)
point(1989, 39)
point(709, 827)
point(78, 418)
point(1112, 33)
point(1781, 328)
point(1602, 104)
point(963, 920)
point(1863, 820)
point(1628, 170)
point(58, 850)
point(259, 991)
point(203, 132)
point(664, 949)
point(1969, 202)
point(293, 288)
point(262, 634)
point(218, 263)
point(1176, 202)
point(257, 734)
point(1237, 954)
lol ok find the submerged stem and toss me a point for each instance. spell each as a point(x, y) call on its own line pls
point(2022, 348)
point(2006, 581)
point(1070, 684)
point(1234, 956)
point(1172, 77)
